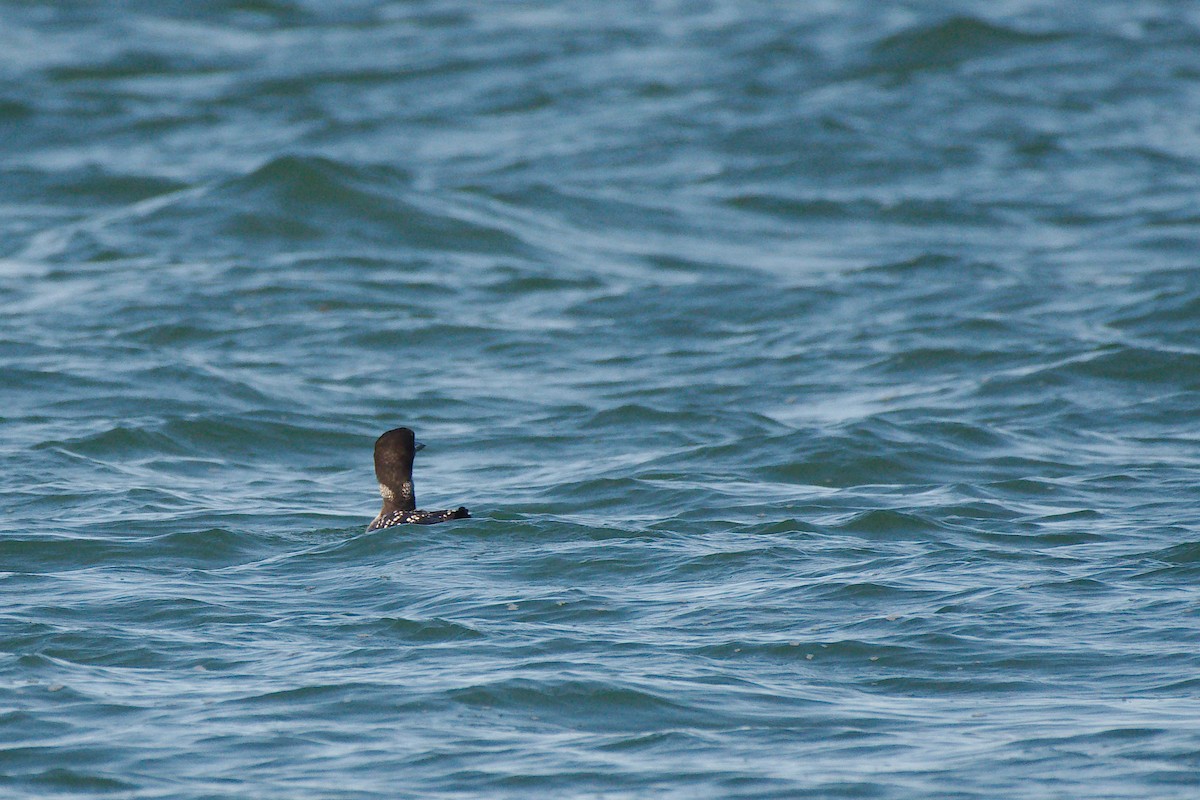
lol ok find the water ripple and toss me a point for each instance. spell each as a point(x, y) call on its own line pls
point(820, 378)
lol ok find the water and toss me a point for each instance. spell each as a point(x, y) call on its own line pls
point(821, 376)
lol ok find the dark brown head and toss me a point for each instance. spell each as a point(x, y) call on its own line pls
point(394, 452)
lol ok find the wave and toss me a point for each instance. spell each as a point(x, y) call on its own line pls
point(950, 42)
point(289, 202)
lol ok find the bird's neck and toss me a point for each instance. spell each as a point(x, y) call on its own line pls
point(398, 498)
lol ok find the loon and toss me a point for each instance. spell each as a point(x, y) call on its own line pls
point(394, 453)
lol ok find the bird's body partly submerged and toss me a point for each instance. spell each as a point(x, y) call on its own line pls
point(417, 517)
point(394, 453)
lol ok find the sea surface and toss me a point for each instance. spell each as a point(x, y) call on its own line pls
point(822, 378)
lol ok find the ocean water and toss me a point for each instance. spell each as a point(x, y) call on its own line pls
point(822, 378)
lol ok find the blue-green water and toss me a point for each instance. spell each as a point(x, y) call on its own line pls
point(822, 378)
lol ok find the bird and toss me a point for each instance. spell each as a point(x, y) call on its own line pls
point(394, 452)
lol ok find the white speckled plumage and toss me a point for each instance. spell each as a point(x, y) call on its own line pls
point(416, 517)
